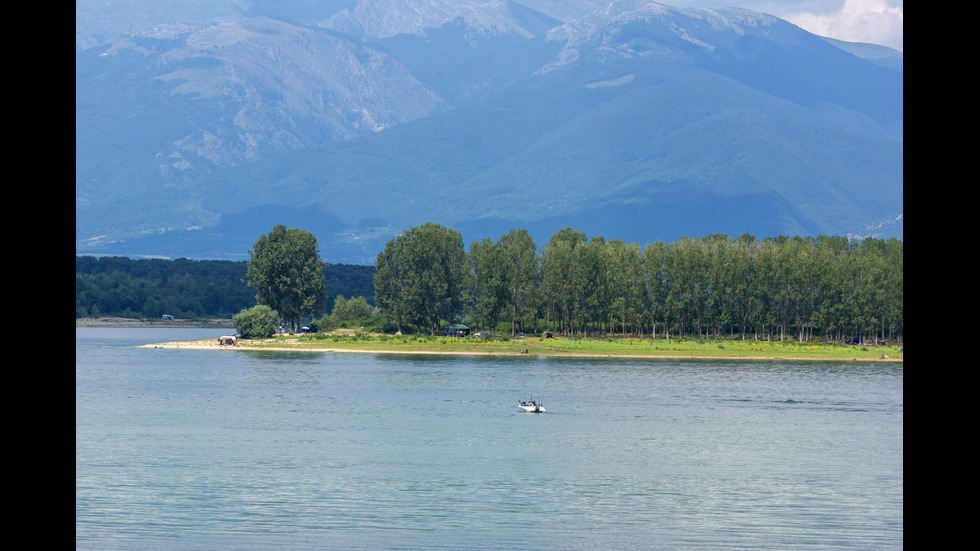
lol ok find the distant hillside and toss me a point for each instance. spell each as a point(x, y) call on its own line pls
point(356, 120)
point(125, 287)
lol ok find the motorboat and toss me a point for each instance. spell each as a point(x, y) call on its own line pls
point(531, 406)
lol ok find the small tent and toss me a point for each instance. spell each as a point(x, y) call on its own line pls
point(457, 330)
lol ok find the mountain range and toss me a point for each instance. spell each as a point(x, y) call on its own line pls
point(201, 125)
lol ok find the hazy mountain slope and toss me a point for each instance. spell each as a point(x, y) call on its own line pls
point(879, 55)
point(165, 108)
point(379, 19)
point(638, 121)
point(563, 153)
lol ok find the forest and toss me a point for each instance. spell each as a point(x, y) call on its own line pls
point(828, 288)
point(183, 288)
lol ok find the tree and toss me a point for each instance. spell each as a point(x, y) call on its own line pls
point(743, 273)
point(389, 283)
point(420, 275)
point(519, 263)
point(656, 285)
point(486, 290)
point(626, 281)
point(556, 275)
point(258, 322)
point(590, 288)
point(285, 269)
point(894, 290)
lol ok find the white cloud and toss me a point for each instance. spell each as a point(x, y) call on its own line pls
point(874, 21)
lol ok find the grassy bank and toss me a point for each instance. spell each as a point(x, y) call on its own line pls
point(572, 347)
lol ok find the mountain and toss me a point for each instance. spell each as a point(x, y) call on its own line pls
point(197, 131)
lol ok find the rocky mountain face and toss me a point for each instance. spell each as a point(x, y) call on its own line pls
point(197, 131)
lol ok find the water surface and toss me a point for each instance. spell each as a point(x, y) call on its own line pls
point(234, 449)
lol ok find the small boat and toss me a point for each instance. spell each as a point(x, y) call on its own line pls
point(531, 406)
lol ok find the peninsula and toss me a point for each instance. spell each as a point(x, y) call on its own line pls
point(556, 347)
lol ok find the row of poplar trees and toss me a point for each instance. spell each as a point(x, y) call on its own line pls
point(805, 288)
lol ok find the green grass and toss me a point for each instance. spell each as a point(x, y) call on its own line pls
point(685, 348)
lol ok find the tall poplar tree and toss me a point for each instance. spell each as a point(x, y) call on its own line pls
point(485, 285)
point(389, 283)
point(519, 260)
point(556, 275)
point(590, 277)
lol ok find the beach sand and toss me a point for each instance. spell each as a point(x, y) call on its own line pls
point(297, 346)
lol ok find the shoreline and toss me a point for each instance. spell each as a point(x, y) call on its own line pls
point(534, 350)
point(246, 345)
point(215, 323)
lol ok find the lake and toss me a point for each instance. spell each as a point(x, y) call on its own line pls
point(233, 449)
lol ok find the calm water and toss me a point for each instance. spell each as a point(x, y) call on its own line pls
point(226, 449)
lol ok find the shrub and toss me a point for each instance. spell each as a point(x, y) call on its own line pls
point(258, 322)
point(355, 309)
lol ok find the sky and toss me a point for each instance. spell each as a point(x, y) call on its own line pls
point(873, 21)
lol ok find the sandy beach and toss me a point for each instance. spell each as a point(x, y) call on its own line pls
point(300, 346)
point(297, 346)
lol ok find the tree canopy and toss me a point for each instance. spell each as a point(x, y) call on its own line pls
point(419, 277)
point(827, 287)
point(353, 309)
point(774, 288)
point(285, 269)
point(183, 288)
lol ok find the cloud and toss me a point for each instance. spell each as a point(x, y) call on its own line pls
point(873, 21)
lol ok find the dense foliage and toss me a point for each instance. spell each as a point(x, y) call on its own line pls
point(117, 286)
point(805, 288)
point(257, 322)
point(150, 288)
point(419, 277)
point(355, 309)
point(825, 287)
point(285, 269)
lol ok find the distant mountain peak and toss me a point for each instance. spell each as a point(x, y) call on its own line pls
point(612, 30)
point(388, 18)
point(618, 12)
point(201, 124)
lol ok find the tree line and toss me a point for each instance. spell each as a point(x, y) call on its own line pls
point(184, 288)
point(805, 288)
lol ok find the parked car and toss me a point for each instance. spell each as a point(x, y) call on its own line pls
point(167, 317)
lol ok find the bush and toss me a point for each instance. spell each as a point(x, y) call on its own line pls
point(355, 309)
point(258, 322)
